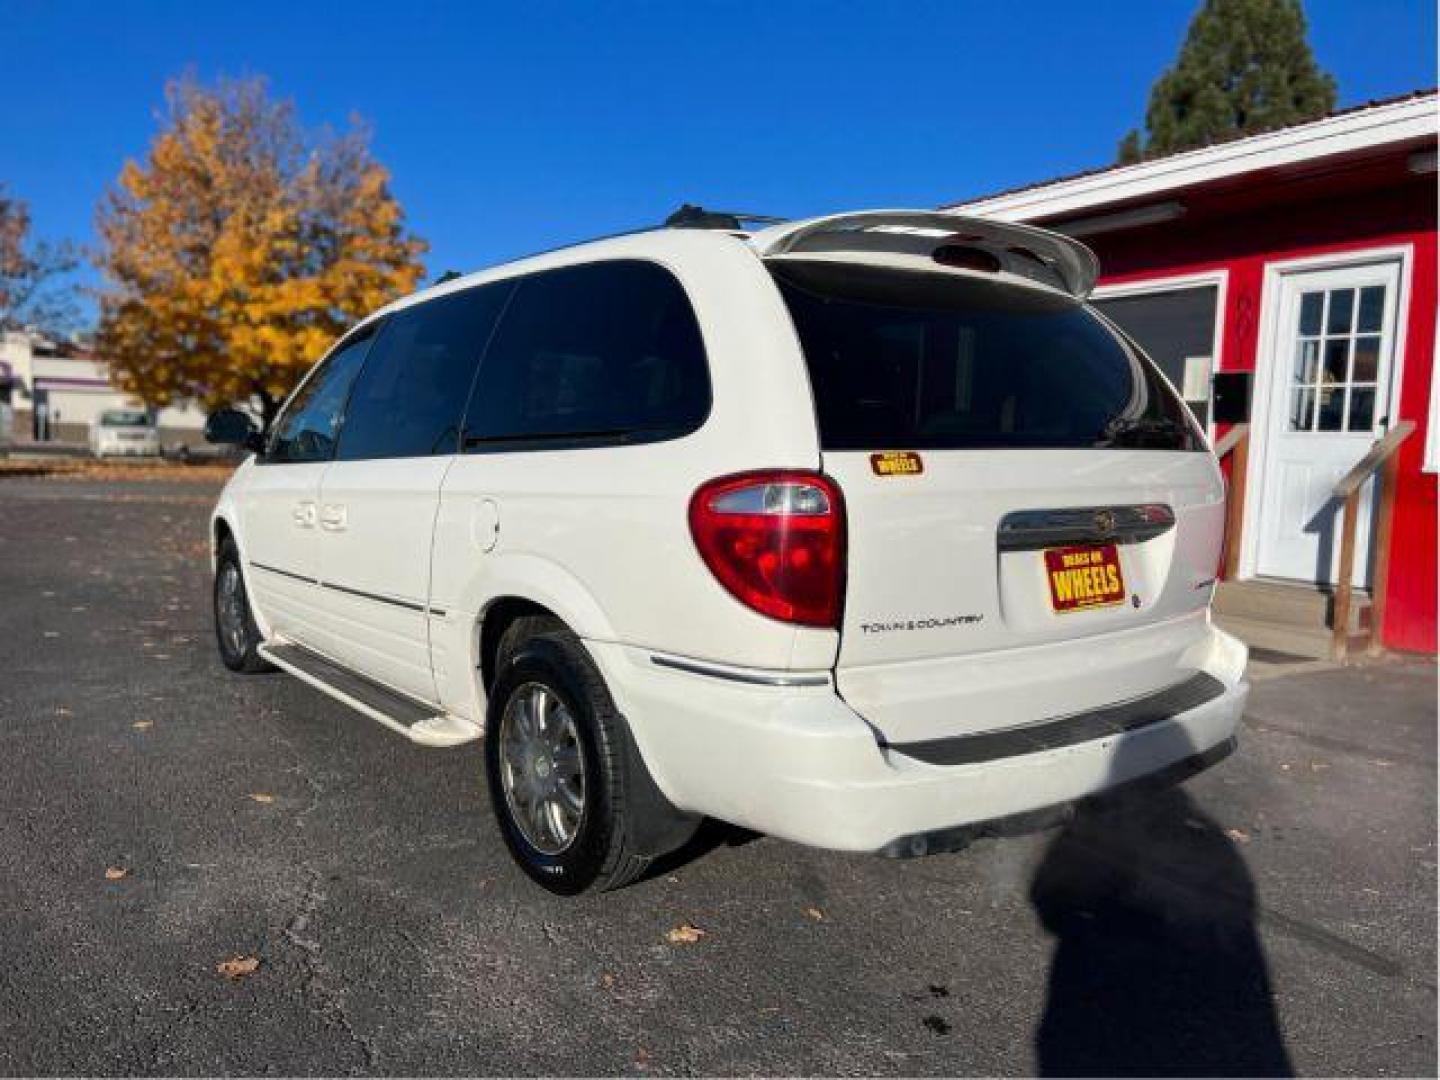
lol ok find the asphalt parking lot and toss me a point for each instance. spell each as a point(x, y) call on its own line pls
point(1276, 913)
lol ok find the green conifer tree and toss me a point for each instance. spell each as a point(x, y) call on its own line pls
point(1245, 67)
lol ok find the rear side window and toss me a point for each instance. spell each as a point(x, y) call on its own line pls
point(900, 359)
point(598, 354)
point(312, 418)
point(409, 399)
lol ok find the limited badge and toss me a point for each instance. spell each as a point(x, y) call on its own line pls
point(897, 463)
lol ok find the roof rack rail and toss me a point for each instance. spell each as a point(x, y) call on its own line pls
point(690, 216)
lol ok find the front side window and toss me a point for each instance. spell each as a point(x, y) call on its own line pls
point(606, 352)
point(306, 432)
point(409, 399)
point(900, 359)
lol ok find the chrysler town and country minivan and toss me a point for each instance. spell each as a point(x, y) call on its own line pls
point(855, 531)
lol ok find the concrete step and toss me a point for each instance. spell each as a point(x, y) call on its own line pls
point(1313, 643)
point(1288, 604)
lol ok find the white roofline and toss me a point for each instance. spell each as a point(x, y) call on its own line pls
point(1359, 129)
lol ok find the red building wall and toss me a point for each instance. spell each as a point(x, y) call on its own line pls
point(1398, 212)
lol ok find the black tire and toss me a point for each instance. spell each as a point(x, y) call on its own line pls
point(238, 650)
point(625, 822)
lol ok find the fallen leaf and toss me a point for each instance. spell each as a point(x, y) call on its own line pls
point(815, 913)
point(261, 797)
point(237, 967)
point(1240, 836)
point(684, 934)
point(115, 873)
point(143, 725)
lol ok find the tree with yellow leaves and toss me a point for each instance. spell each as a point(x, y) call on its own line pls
point(241, 248)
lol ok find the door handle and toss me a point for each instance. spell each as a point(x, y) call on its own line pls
point(332, 517)
point(304, 515)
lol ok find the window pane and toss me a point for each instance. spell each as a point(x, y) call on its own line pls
point(1331, 409)
point(935, 361)
point(1302, 409)
point(1372, 307)
point(1337, 357)
point(1307, 359)
point(1310, 307)
point(606, 350)
point(409, 399)
point(307, 430)
point(1170, 326)
point(1367, 359)
point(1342, 307)
point(1362, 408)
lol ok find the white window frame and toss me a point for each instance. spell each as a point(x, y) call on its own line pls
point(1218, 279)
point(1431, 461)
point(1268, 327)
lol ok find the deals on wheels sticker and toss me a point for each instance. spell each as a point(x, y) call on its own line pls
point(1084, 577)
point(897, 463)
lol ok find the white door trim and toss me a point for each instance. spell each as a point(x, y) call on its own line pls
point(1271, 297)
point(1219, 279)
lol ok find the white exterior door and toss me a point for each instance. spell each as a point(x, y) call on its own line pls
point(1330, 398)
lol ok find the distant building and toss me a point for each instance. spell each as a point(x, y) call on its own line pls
point(55, 390)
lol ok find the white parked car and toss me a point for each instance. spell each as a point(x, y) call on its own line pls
point(124, 433)
point(855, 531)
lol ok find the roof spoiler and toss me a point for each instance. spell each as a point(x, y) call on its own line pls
point(926, 232)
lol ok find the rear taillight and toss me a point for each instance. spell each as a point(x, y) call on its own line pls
point(776, 541)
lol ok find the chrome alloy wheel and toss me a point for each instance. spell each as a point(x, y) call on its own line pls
point(542, 768)
point(230, 609)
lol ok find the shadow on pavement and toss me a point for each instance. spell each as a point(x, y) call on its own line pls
point(1158, 969)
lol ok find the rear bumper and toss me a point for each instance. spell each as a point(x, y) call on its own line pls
point(796, 762)
point(127, 450)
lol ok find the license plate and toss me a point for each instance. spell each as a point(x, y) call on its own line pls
point(1084, 577)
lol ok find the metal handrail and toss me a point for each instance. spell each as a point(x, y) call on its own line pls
point(1381, 455)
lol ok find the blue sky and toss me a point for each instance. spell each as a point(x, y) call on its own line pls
point(516, 127)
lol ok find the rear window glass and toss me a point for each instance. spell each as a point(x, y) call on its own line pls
point(605, 352)
point(903, 359)
point(124, 418)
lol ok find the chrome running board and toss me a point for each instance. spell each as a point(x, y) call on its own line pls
point(420, 723)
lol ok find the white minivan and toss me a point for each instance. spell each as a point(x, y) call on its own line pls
point(857, 531)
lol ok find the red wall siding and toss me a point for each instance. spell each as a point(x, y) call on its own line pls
point(1402, 213)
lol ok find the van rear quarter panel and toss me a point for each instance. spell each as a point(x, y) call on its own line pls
point(601, 536)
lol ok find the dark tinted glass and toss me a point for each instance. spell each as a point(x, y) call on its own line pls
point(604, 352)
point(307, 430)
point(902, 360)
point(1170, 326)
point(409, 399)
